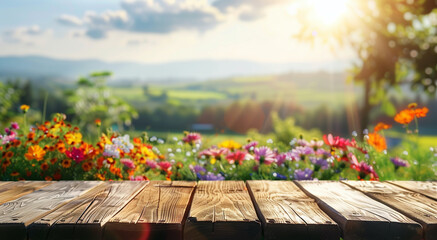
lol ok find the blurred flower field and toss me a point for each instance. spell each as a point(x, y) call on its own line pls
point(57, 150)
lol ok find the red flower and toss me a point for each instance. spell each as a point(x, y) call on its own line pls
point(237, 156)
point(75, 154)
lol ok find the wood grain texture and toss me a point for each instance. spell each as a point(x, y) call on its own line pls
point(45, 228)
point(87, 221)
point(222, 210)
point(288, 213)
point(427, 188)
point(414, 205)
point(359, 216)
point(13, 190)
point(16, 215)
point(158, 212)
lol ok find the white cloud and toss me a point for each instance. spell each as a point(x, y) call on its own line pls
point(23, 35)
point(69, 20)
point(150, 16)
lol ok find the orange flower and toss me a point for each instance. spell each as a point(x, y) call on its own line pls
point(15, 173)
point(421, 112)
point(35, 152)
point(24, 108)
point(100, 176)
point(48, 178)
point(86, 166)
point(9, 155)
point(377, 141)
point(60, 146)
point(53, 160)
point(98, 122)
point(44, 166)
point(6, 163)
point(66, 163)
point(16, 143)
point(405, 116)
point(381, 126)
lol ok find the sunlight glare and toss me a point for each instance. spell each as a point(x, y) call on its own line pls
point(324, 12)
point(329, 12)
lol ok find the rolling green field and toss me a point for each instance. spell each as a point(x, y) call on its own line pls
point(309, 90)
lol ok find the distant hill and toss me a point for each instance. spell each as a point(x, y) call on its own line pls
point(37, 66)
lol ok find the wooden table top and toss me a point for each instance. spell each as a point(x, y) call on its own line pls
point(218, 210)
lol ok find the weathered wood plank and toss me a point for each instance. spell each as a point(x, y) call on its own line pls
point(288, 213)
point(16, 215)
point(87, 219)
point(222, 210)
point(359, 216)
point(414, 205)
point(13, 190)
point(427, 188)
point(43, 229)
point(158, 212)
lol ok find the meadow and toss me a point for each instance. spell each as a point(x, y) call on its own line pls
point(58, 150)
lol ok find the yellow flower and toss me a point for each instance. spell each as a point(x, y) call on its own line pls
point(73, 138)
point(35, 152)
point(230, 144)
point(24, 108)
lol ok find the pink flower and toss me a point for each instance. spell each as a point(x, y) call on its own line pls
point(192, 138)
point(251, 146)
point(336, 142)
point(14, 125)
point(138, 178)
point(165, 165)
point(128, 163)
point(264, 155)
point(151, 164)
point(214, 152)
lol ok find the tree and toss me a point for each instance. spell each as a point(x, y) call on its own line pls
point(394, 40)
point(93, 100)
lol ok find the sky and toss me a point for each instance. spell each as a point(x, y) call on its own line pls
point(158, 31)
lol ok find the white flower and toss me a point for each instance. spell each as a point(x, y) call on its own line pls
point(270, 141)
point(354, 133)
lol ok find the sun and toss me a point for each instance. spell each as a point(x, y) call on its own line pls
point(329, 12)
point(323, 12)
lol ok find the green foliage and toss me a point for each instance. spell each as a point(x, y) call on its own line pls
point(8, 98)
point(92, 100)
point(286, 130)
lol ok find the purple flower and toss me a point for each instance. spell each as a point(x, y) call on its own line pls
point(264, 155)
point(321, 151)
point(320, 162)
point(299, 153)
point(211, 177)
point(251, 146)
point(199, 169)
point(398, 162)
point(14, 125)
point(303, 174)
point(279, 176)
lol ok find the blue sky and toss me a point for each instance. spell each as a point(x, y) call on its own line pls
point(157, 30)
